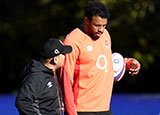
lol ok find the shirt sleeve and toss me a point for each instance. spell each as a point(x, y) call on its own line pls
point(26, 99)
point(67, 78)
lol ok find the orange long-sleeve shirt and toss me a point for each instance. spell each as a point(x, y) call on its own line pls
point(87, 75)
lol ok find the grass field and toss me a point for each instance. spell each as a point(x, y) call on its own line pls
point(121, 104)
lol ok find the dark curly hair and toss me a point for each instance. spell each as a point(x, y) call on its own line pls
point(94, 8)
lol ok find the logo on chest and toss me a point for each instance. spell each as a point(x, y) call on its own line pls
point(90, 48)
point(49, 84)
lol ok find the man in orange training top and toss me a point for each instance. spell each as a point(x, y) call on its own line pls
point(87, 76)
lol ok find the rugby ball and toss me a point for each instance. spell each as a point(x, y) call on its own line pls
point(118, 66)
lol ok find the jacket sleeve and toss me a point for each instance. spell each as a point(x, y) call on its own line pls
point(26, 102)
point(67, 78)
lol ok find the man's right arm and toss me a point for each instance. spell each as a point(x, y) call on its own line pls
point(66, 79)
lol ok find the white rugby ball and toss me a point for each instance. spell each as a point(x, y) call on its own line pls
point(118, 66)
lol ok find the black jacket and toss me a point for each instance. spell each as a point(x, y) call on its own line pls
point(39, 93)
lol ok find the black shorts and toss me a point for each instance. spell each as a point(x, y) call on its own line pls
point(96, 113)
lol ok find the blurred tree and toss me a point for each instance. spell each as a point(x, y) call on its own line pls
point(25, 25)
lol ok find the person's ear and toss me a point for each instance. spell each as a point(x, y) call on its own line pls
point(86, 21)
point(53, 60)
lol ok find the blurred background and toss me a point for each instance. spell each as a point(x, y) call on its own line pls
point(134, 28)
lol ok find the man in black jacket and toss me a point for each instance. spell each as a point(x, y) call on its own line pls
point(40, 92)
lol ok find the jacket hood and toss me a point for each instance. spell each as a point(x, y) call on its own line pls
point(34, 66)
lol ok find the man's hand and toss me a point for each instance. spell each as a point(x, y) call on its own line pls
point(133, 66)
